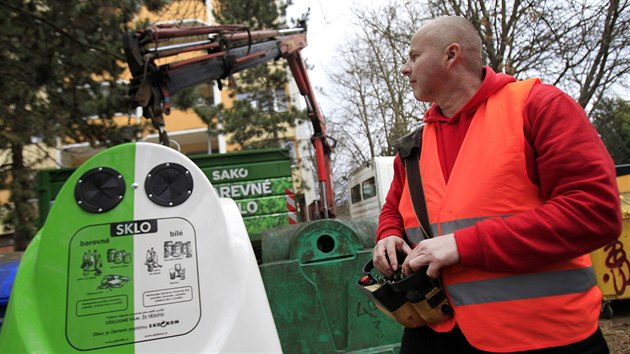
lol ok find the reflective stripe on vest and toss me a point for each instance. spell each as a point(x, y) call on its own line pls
point(498, 311)
point(517, 287)
point(415, 234)
point(523, 286)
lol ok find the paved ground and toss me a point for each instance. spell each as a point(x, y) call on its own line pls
point(617, 329)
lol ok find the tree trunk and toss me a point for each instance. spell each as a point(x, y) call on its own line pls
point(21, 196)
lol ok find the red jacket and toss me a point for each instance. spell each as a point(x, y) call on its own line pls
point(565, 158)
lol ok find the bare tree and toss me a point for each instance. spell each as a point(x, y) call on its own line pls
point(374, 105)
point(580, 46)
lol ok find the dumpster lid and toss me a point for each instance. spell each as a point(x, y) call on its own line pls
point(9, 263)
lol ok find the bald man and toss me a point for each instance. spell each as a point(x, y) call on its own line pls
point(519, 189)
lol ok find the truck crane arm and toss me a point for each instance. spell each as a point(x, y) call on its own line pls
point(215, 53)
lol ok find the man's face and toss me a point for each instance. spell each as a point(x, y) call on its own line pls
point(424, 67)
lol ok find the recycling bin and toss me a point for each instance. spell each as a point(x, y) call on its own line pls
point(612, 262)
point(9, 263)
point(138, 254)
point(310, 272)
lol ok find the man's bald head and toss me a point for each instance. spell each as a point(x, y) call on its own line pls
point(444, 31)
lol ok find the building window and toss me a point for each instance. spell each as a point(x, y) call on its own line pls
point(259, 100)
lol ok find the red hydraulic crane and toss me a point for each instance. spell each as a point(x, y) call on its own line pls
point(225, 50)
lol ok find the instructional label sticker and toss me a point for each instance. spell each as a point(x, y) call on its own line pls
point(101, 305)
point(131, 286)
point(167, 296)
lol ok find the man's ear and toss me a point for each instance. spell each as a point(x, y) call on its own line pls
point(453, 52)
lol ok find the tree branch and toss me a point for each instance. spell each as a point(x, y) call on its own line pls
point(60, 30)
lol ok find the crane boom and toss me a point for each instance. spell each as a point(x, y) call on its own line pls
point(217, 52)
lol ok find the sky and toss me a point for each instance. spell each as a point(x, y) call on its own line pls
point(329, 25)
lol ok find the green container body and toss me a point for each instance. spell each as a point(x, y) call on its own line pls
point(310, 272)
point(49, 184)
point(260, 206)
point(44, 271)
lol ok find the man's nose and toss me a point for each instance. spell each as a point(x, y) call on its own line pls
point(406, 69)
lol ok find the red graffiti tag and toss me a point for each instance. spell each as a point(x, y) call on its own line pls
point(619, 266)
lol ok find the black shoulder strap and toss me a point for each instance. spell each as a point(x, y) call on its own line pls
point(409, 148)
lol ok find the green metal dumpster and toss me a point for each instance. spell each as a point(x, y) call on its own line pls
point(309, 271)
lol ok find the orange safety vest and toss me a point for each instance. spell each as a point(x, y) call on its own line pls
point(496, 311)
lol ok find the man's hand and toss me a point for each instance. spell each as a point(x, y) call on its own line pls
point(385, 252)
point(437, 252)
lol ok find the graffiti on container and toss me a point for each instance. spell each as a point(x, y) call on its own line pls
point(368, 308)
point(619, 266)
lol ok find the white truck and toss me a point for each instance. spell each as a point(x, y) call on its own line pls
point(368, 187)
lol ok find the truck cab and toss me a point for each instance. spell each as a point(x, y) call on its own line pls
point(368, 186)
